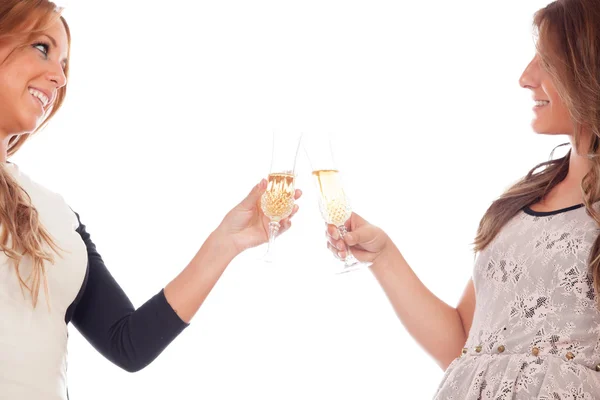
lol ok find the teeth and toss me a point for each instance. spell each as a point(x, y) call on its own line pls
point(40, 96)
point(540, 103)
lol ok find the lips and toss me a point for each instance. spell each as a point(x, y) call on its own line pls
point(42, 96)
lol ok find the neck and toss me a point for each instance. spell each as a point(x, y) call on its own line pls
point(579, 164)
point(4, 140)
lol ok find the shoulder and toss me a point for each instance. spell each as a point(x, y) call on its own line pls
point(50, 205)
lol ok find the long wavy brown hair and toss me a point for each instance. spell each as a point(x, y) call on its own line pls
point(568, 46)
point(21, 233)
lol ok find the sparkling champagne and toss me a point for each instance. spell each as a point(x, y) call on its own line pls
point(333, 202)
point(278, 200)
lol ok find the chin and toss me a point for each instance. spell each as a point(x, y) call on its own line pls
point(29, 128)
point(29, 124)
point(539, 130)
point(545, 130)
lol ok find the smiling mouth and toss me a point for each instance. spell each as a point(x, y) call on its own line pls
point(41, 97)
point(541, 103)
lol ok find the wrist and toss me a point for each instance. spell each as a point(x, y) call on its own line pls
point(388, 255)
point(222, 243)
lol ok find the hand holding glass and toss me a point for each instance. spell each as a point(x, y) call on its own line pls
point(333, 202)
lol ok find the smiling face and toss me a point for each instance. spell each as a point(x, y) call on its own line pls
point(31, 74)
point(551, 115)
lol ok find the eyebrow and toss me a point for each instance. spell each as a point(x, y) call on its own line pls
point(53, 41)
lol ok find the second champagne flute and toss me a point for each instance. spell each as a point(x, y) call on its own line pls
point(333, 202)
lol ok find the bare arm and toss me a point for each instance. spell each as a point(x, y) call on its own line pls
point(439, 328)
point(466, 307)
point(191, 287)
point(243, 227)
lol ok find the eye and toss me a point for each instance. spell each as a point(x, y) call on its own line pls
point(42, 47)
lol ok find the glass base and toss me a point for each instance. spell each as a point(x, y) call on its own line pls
point(351, 264)
point(268, 258)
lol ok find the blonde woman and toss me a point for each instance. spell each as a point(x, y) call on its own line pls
point(50, 271)
point(527, 325)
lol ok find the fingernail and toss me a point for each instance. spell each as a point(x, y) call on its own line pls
point(349, 236)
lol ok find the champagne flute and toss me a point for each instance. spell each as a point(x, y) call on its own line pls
point(334, 204)
point(277, 202)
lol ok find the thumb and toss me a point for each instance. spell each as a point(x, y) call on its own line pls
point(361, 235)
point(356, 221)
point(254, 195)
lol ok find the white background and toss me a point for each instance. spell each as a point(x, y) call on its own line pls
point(167, 126)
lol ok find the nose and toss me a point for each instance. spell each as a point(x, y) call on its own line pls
point(530, 77)
point(57, 76)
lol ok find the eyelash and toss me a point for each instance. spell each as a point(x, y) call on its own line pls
point(46, 47)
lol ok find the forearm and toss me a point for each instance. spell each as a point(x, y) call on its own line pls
point(189, 289)
point(435, 325)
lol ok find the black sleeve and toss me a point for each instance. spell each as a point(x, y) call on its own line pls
point(104, 315)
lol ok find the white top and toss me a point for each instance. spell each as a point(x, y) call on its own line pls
point(33, 342)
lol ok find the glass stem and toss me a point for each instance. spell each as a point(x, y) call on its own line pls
point(273, 230)
point(350, 260)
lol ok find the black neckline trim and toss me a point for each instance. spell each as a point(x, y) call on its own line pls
point(529, 211)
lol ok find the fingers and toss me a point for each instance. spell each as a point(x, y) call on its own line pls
point(297, 194)
point(294, 210)
point(286, 223)
point(353, 223)
point(361, 236)
point(332, 231)
point(361, 255)
point(336, 252)
point(356, 237)
point(363, 233)
point(338, 244)
point(254, 195)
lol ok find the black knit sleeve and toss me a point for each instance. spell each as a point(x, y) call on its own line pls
point(105, 316)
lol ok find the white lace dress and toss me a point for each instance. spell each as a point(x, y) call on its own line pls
point(536, 328)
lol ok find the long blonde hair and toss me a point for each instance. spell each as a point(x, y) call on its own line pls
point(569, 49)
point(21, 233)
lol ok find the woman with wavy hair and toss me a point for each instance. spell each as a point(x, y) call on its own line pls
point(528, 323)
point(50, 271)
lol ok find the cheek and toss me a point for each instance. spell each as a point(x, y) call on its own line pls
point(24, 67)
point(560, 113)
point(17, 76)
point(15, 105)
point(8, 91)
point(12, 78)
